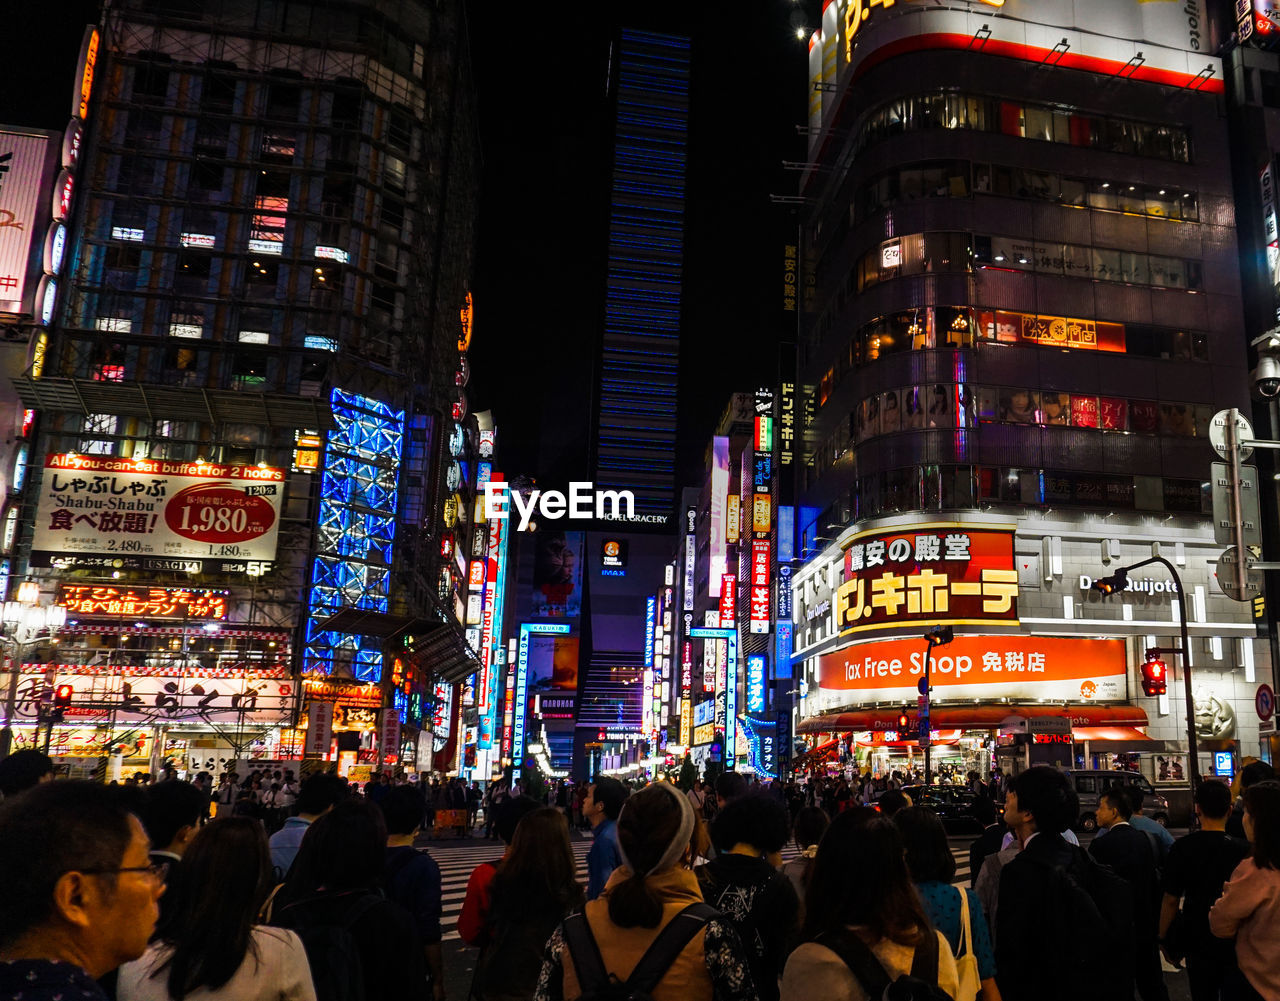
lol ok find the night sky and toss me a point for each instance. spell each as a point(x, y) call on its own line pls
point(539, 73)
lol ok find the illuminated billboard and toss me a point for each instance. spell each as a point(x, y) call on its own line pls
point(719, 500)
point(23, 158)
point(143, 602)
point(557, 575)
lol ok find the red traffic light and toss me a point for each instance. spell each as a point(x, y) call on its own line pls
point(904, 722)
point(1155, 677)
point(62, 696)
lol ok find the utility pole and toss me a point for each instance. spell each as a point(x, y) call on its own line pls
point(938, 636)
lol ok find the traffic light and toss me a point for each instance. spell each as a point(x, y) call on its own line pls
point(61, 702)
point(1118, 581)
point(1154, 675)
point(904, 722)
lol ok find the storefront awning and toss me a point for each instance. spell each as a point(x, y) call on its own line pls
point(1110, 733)
point(977, 717)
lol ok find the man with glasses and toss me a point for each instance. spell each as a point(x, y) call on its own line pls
point(78, 891)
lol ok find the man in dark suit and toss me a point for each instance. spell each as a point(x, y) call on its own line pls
point(1129, 853)
point(1046, 913)
point(988, 842)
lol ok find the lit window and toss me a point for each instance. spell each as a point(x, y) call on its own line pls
point(254, 337)
point(320, 342)
point(191, 330)
point(126, 233)
point(113, 324)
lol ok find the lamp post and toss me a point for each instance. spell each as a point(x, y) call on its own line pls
point(1116, 582)
point(28, 621)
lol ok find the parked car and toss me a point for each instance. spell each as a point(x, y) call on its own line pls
point(1090, 784)
point(953, 804)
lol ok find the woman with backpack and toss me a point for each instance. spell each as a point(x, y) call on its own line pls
point(361, 946)
point(955, 912)
point(864, 925)
point(207, 943)
point(650, 928)
point(529, 896)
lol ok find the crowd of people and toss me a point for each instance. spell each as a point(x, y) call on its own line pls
point(135, 893)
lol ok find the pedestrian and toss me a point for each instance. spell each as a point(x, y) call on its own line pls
point(988, 842)
point(697, 798)
point(651, 890)
point(207, 943)
point(78, 891)
point(728, 787)
point(1249, 907)
point(1159, 836)
point(172, 813)
point(530, 895)
point(809, 826)
point(1194, 873)
point(955, 912)
point(23, 770)
point(334, 895)
point(474, 797)
point(744, 884)
point(1131, 855)
point(861, 902)
point(474, 916)
point(318, 795)
point(891, 801)
point(1056, 903)
point(1251, 774)
point(602, 807)
point(413, 878)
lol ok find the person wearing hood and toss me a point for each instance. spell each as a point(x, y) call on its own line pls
point(653, 895)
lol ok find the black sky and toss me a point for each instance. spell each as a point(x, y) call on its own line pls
point(540, 77)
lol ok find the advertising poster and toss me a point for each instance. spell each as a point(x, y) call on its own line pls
point(157, 514)
point(22, 159)
point(557, 575)
point(553, 663)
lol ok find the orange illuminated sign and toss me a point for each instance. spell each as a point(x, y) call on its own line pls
point(857, 11)
point(1014, 667)
point(465, 315)
point(946, 572)
point(143, 602)
point(761, 512)
point(732, 519)
point(88, 61)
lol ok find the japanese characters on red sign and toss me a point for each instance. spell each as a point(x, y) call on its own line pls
point(143, 602)
point(728, 600)
point(760, 561)
point(936, 573)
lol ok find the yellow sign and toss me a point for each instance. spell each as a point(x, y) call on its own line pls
point(88, 60)
point(857, 11)
point(761, 512)
point(686, 722)
point(733, 517)
point(465, 315)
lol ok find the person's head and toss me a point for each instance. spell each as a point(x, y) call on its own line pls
point(404, 809)
point(22, 770)
point(655, 830)
point(77, 881)
point(1114, 806)
point(539, 871)
point(1134, 794)
point(1041, 799)
point(929, 857)
point(730, 786)
point(1255, 772)
point(343, 850)
point(1213, 804)
point(811, 823)
point(984, 811)
point(892, 801)
point(320, 792)
point(224, 879)
point(604, 800)
point(876, 893)
point(1262, 822)
point(509, 813)
point(754, 824)
point(171, 815)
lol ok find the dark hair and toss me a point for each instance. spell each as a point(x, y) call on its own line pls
point(1262, 800)
point(611, 794)
point(810, 824)
point(403, 808)
point(343, 850)
point(23, 770)
point(1047, 795)
point(52, 829)
point(984, 811)
point(876, 892)
point(1134, 794)
point(538, 872)
point(730, 785)
point(321, 791)
point(1254, 772)
point(508, 814)
point(891, 802)
point(756, 820)
point(1117, 799)
point(223, 880)
point(1214, 799)
point(929, 856)
point(649, 822)
point(170, 806)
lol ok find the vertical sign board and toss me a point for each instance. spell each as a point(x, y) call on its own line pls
point(728, 600)
point(1271, 230)
point(760, 590)
point(22, 170)
point(389, 738)
point(756, 680)
point(784, 730)
point(727, 694)
point(690, 556)
point(719, 500)
point(522, 686)
point(319, 728)
point(650, 620)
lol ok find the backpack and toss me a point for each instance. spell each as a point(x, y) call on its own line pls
point(600, 985)
point(336, 967)
point(921, 984)
point(1092, 930)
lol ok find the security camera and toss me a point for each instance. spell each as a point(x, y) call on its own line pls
point(1266, 377)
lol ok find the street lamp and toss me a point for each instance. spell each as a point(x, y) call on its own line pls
point(937, 636)
point(1117, 582)
point(27, 621)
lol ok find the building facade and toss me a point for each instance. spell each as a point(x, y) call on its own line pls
point(1021, 310)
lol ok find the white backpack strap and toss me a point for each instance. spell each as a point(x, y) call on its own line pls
point(966, 943)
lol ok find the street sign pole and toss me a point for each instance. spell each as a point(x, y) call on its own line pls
point(1237, 515)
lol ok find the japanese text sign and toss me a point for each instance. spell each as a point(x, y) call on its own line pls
point(728, 596)
point(143, 602)
point(157, 514)
point(935, 573)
